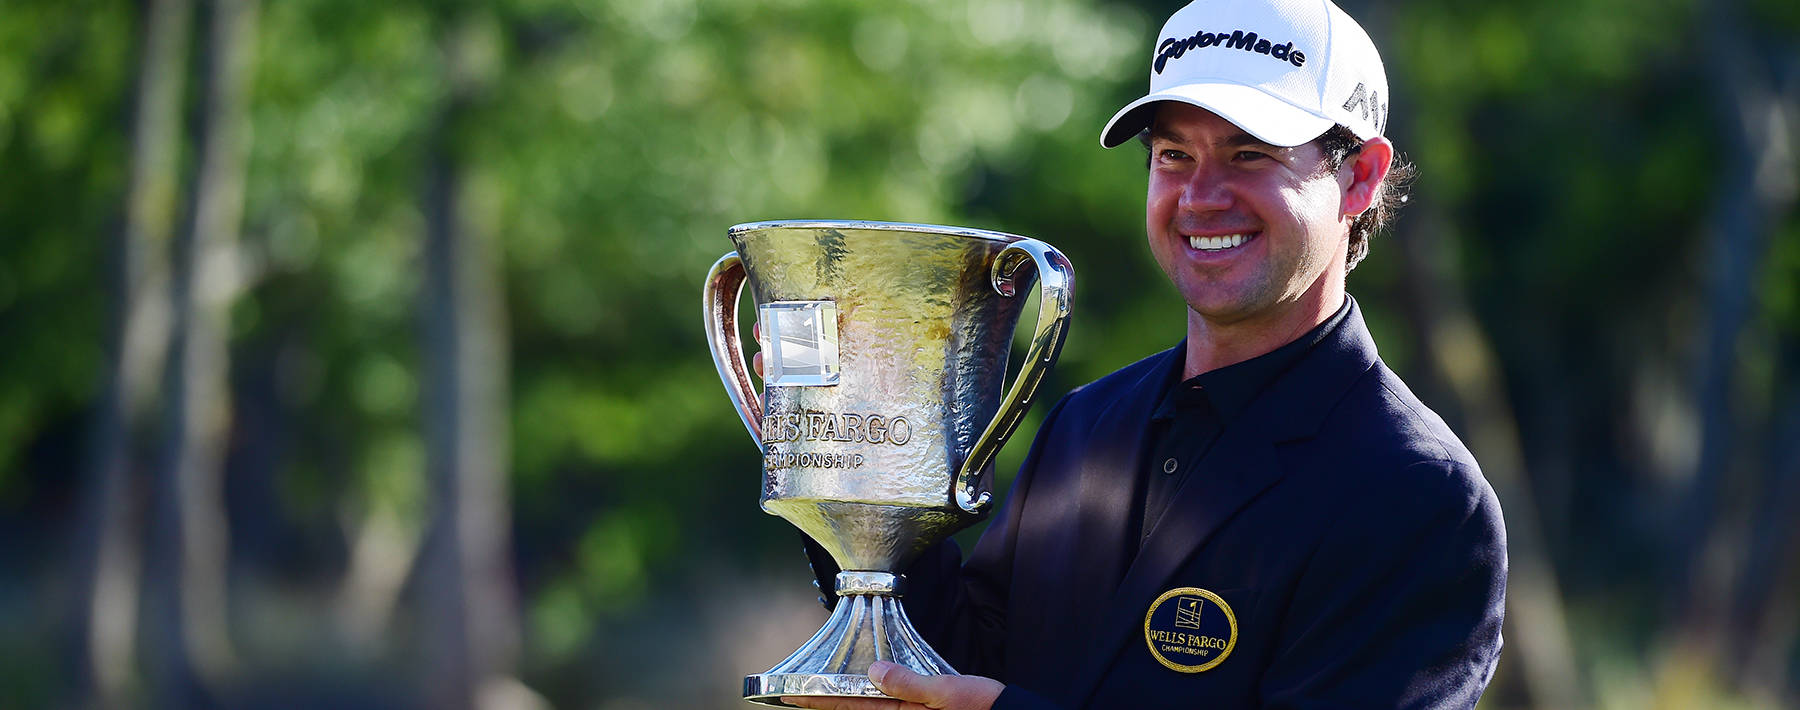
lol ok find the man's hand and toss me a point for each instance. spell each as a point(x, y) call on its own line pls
point(914, 692)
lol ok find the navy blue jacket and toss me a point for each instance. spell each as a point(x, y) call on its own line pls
point(1349, 531)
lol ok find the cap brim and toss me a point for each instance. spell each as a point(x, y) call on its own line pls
point(1270, 119)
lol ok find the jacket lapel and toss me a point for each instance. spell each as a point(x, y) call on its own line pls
point(1093, 555)
point(1238, 467)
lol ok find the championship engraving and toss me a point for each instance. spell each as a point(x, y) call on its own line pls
point(885, 349)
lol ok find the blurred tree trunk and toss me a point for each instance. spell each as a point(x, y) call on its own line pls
point(1464, 368)
point(1713, 570)
point(1755, 188)
point(383, 549)
point(188, 602)
point(1766, 602)
point(107, 556)
point(470, 620)
point(1463, 363)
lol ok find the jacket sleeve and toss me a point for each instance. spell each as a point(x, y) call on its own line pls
point(1401, 604)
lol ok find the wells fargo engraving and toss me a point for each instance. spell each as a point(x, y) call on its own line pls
point(839, 427)
point(846, 427)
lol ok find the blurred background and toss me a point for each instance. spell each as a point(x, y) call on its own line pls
point(353, 356)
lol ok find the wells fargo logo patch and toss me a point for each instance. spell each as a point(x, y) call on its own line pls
point(1190, 629)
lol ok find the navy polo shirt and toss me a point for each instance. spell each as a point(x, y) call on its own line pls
point(1194, 411)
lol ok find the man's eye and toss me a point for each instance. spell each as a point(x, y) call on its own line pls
point(1172, 155)
point(1251, 155)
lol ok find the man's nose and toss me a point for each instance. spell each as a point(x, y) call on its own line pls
point(1205, 189)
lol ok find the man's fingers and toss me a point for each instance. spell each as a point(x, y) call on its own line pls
point(824, 702)
point(756, 359)
point(897, 680)
point(950, 692)
point(914, 692)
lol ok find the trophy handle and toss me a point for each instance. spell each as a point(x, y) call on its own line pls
point(727, 277)
point(1056, 291)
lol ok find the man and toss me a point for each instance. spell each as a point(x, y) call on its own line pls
point(1264, 515)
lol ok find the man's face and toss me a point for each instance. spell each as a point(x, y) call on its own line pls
point(1248, 232)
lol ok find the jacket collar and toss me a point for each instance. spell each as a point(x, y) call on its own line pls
point(1231, 389)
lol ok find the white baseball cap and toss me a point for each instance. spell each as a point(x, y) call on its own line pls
point(1283, 70)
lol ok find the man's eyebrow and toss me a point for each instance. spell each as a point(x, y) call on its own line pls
point(1245, 140)
point(1161, 133)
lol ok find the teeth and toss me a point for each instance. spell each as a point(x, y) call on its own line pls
point(1216, 243)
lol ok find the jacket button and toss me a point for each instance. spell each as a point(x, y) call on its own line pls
point(1170, 465)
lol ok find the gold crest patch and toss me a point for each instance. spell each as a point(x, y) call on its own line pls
point(1190, 629)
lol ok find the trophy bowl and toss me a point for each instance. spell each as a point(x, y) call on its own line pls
point(885, 352)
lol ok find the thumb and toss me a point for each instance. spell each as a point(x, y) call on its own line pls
point(900, 682)
point(961, 692)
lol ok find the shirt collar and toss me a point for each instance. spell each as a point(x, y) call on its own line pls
point(1230, 389)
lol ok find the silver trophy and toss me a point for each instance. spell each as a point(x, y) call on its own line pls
point(885, 352)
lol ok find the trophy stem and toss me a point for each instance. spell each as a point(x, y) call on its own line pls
point(868, 625)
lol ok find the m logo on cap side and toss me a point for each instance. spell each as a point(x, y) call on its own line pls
point(1364, 101)
point(1175, 47)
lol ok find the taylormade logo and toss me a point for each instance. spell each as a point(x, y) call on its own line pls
point(1173, 48)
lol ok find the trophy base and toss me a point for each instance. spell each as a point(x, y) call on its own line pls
point(768, 688)
point(865, 627)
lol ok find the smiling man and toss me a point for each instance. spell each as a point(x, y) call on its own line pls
point(1262, 516)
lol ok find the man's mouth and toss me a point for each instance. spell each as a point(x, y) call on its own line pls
point(1219, 243)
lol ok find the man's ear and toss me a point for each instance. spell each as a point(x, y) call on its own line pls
point(1364, 171)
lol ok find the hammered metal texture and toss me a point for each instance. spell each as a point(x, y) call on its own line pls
point(923, 338)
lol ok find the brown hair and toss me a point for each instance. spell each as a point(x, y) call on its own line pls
point(1338, 144)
